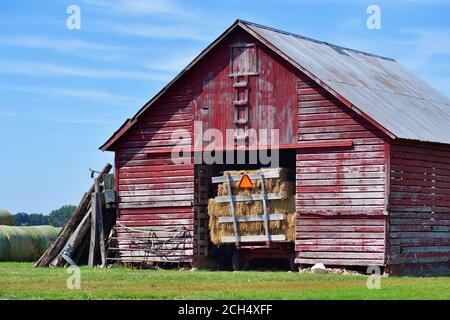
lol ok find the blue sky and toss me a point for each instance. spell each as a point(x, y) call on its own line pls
point(64, 92)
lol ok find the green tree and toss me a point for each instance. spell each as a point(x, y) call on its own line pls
point(21, 219)
point(59, 217)
point(6, 218)
point(37, 219)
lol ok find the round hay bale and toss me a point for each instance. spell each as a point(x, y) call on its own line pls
point(25, 243)
point(6, 218)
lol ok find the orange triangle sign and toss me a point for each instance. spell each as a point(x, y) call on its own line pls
point(246, 182)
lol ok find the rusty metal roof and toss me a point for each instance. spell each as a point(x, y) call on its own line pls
point(379, 87)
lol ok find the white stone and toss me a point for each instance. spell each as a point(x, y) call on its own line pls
point(319, 268)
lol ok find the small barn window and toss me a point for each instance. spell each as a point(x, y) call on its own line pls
point(244, 59)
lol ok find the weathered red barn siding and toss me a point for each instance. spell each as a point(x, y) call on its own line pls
point(341, 192)
point(154, 192)
point(272, 92)
point(419, 219)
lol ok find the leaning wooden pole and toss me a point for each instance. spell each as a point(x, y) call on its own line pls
point(58, 245)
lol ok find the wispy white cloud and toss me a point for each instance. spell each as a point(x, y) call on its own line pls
point(90, 95)
point(89, 50)
point(155, 31)
point(63, 45)
point(32, 68)
point(143, 7)
point(80, 121)
point(7, 114)
point(171, 65)
point(424, 44)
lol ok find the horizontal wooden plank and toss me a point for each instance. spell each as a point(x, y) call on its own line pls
point(135, 193)
point(252, 176)
point(333, 176)
point(337, 221)
point(340, 262)
point(153, 204)
point(418, 258)
point(341, 182)
point(157, 186)
point(156, 198)
point(404, 235)
point(272, 217)
point(340, 242)
point(341, 202)
point(340, 195)
point(412, 228)
point(341, 255)
point(160, 225)
point(250, 197)
point(255, 238)
point(339, 228)
point(339, 248)
point(340, 235)
point(341, 210)
point(175, 259)
point(333, 168)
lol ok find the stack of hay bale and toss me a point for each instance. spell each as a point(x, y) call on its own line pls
point(284, 186)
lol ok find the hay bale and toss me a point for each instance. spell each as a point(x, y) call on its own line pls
point(25, 243)
point(285, 186)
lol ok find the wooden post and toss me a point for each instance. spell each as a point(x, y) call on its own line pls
point(93, 243)
point(265, 209)
point(233, 213)
point(100, 227)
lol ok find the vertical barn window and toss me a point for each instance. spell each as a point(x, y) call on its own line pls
point(244, 59)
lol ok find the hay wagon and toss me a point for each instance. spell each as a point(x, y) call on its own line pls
point(367, 141)
point(255, 213)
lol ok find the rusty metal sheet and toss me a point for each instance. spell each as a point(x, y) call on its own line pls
point(380, 87)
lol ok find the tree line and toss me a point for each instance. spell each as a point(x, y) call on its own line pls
point(56, 218)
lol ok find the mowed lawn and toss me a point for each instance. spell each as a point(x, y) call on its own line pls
point(21, 281)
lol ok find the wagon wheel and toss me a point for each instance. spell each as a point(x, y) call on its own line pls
point(236, 260)
point(292, 265)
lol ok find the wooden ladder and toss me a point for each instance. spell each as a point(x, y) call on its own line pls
point(241, 109)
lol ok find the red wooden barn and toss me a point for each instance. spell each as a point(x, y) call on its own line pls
point(368, 140)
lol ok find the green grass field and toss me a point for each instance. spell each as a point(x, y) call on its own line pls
point(21, 281)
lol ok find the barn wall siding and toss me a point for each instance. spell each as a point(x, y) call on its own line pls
point(154, 192)
point(341, 192)
point(419, 218)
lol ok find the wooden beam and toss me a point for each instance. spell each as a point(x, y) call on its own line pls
point(301, 145)
point(94, 235)
point(258, 218)
point(233, 213)
point(231, 239)
point(252, 176)
point(250, 197)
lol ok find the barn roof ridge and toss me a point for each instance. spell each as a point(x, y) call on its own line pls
point(332, 45)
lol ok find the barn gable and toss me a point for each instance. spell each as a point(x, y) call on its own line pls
point(378, 88)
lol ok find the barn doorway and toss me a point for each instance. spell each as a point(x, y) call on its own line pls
point(276, 257)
